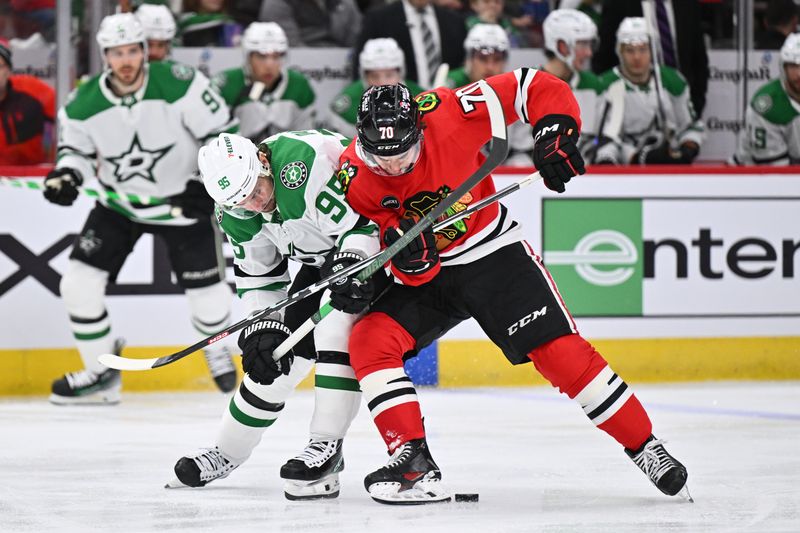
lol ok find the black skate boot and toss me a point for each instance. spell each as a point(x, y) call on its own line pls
point(411, 477)
point(314, 472)
point(202, 467)
point(666, 473)
point(85, 387)
point(221, 367)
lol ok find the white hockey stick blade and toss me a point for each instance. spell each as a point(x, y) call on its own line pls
point(124, 363)
point(440, 77)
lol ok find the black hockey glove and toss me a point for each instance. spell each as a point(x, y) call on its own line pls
point(258, 341)
point(662, 154)
point(61, 185)
point(555, 152)
point(193, 202)
point(349, 294)
point(418, 256)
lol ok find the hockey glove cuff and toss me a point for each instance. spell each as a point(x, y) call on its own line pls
point(61, 185)
point(555, 152)
point(258, 341)
point(418, 256)
point(349, 294)
point(193, 202)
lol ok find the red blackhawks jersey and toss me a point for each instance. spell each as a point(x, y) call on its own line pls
point(455, 126)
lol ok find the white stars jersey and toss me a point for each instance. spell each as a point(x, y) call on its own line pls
point(144, 143)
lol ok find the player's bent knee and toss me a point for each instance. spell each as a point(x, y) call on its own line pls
point(378, 342)
point(569, 362)
point(83, 288)
point(210, 305)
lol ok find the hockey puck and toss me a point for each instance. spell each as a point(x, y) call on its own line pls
point(466, 497)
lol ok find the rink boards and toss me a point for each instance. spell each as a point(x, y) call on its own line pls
point(673, 276)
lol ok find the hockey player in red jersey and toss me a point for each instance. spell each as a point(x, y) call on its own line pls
point(409, 154)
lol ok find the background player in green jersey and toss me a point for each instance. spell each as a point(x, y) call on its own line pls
point(159, 30)
point(280, 202)
point(265, 96)
point(137, 127)
point(772, 121)
point(381, 62)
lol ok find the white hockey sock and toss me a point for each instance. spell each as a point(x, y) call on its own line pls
point(92, 339)
point(337, 396)
point(254, 408)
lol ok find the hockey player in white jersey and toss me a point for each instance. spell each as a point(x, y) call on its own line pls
point(278, 202)
point(159, 30)
point(137, 127)
point(570, 37)
point(654, 130)
point(486, 48)
point(772, 121)
point(265, 96)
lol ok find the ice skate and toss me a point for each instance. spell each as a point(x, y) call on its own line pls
point(666, 473)
point(221, 367)
point(411, 477)
point(86, 387)
point(202, 467)
point(314, 472)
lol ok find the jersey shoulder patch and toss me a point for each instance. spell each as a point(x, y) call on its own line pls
point(428, 102)
point(772, 103)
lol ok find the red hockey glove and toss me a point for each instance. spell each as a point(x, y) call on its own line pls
point(555, 152)
point(418, 256)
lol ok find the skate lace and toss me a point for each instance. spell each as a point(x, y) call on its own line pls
point(316, 453)
point(211, 460)
point(654, 459)
point(219, 361)
point(81, 379)
point(400, 456)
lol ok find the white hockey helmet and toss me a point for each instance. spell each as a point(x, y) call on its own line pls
point(264, 38)
point(632, 30)
point(229, 166)
point(383, 53)
point(570, 26)
point(486, 39)
point(157, 22)
point(790, 53)
point(120, 29)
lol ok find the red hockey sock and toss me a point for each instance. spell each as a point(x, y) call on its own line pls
point(377, 345)
point(578, 370)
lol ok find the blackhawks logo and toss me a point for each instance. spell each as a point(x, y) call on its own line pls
point(294, 175)
point(427, 102)
point(346, 173)
point(421, 203)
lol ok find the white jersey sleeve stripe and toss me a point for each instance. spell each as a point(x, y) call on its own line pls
point(524, 79)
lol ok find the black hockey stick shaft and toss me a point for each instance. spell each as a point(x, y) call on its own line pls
point(497, 153)
point(326, 308)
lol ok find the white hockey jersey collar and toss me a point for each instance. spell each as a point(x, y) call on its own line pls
point(128, 99)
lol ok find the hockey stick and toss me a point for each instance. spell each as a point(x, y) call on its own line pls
point(440, 77)
point(36, 185)
point(326, 308)
point(497, 154)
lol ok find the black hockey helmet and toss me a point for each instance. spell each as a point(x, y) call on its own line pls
point(388, 120)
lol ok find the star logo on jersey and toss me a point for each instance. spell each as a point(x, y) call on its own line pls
point(294, 175)
point(137, 161)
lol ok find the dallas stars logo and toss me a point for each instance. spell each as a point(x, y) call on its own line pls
point(137, 161)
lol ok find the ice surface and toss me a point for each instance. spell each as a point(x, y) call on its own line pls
point(537, 462)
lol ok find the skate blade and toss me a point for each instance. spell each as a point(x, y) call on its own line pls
point(423, 492)
point(90, 399)
point(176, 483)
point(684, 493)
point(324, 488)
